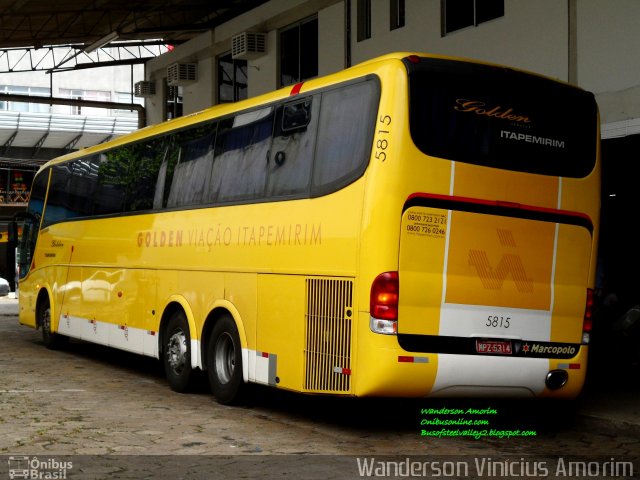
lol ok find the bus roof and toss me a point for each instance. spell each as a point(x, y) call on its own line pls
point(222, 110)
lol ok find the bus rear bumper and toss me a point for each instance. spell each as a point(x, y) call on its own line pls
point(496, 376)
point(385, 369)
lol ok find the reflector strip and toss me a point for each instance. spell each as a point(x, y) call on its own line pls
point(263, 368)
point(296, 88)
point(403, 359)
point(343, 371)
point(569, 366)
point(124, 337)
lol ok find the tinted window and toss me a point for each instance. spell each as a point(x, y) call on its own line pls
point(70, 191)
point(459, 14)
point(240, 163)
point(255, 155)
point(144, 160)
point(38, 193)
point(501, 118)
point(294, 140)
point(466, 13)
point(346, 127)
point(111, 188)
point(299, 52)
point(189, 162)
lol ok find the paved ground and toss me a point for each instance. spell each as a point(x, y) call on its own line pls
point(112, 415)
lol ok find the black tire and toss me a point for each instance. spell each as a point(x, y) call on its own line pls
point(53, 341)
point(176, 353)
point(224, 362)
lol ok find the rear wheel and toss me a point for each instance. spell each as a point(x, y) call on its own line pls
point(53, 341)
point(177, 353)
point(224, 362)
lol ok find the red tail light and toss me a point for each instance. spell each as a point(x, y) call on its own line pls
point(587, 325)
point(385, 291)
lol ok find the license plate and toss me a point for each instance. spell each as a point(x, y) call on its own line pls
point(495, 347)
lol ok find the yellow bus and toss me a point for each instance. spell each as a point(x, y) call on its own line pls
point(415, 225)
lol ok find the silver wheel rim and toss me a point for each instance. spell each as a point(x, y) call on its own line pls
point(225, 358)
point(177, 351)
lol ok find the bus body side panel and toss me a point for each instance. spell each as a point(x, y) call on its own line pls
point(306, 312)
point(386, 369)
point(48, 270)
point(277, 358)
point(28, 297)
point(383, 367)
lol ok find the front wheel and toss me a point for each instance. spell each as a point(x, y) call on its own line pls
point(224, 362)
point(176, 350)
point(51, 340)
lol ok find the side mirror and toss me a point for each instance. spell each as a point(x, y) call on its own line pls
point(13, 233)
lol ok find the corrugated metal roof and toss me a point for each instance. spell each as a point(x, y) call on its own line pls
point(59, 131)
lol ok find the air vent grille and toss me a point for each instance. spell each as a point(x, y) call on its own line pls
point(328, 335)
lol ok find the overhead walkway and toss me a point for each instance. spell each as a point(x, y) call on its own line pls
point(60, 131)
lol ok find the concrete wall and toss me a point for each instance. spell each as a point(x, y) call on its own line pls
point(608, 61)
point(598, 51)
point(531, 35)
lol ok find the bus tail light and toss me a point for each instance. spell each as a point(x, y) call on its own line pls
point(383, 303)
point(587, 324)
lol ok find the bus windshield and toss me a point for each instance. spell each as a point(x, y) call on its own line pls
point(499, 117)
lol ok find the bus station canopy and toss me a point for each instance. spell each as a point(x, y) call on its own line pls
point(42, 23)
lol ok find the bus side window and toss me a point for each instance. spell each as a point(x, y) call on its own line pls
point(70, 191)
point(347, 121)
point(240, 163)
point(190, 177)
point(158, 191)
point(110, 189)
point(165, 173)
point(294, 141)
point(81, 185)
point(145, 160)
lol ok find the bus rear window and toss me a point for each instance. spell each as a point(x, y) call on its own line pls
point(501, 118)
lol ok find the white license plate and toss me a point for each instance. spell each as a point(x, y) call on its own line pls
point(495, 347)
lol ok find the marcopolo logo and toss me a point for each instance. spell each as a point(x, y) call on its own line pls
point(38, 468)
point(549, 349)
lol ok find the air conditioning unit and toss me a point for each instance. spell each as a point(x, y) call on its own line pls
point(144, 89)
point(179, 74)
point(248, 45)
